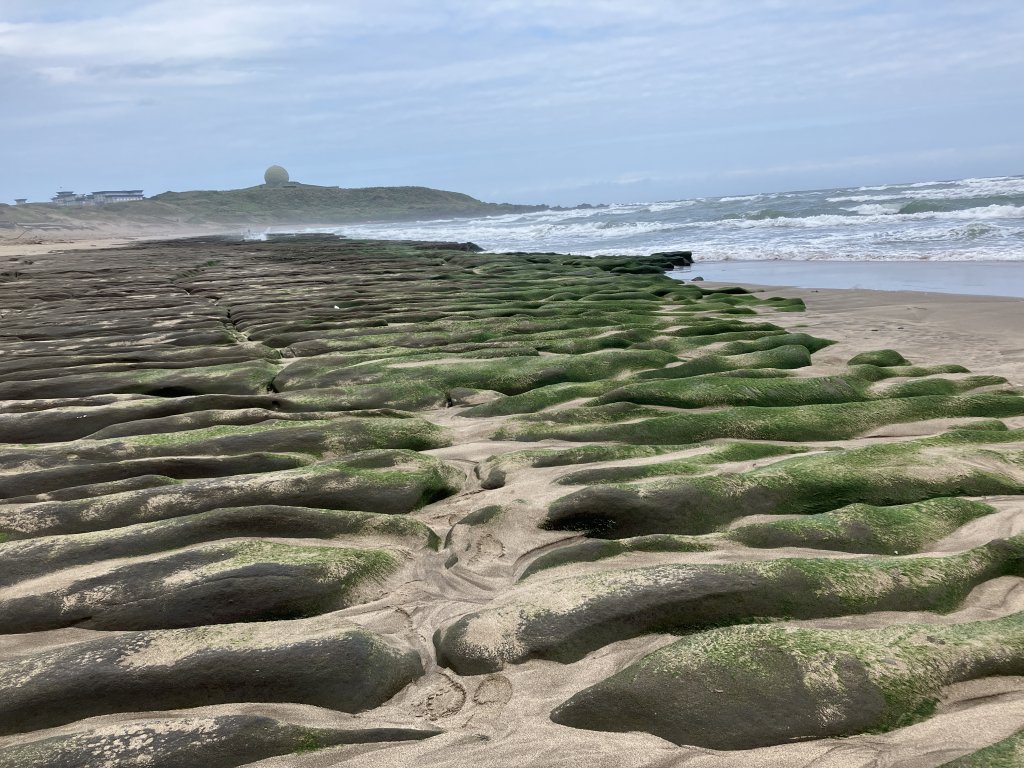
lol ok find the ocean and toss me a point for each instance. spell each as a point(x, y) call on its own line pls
point(968, 220)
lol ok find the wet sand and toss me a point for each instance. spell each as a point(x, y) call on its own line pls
point(977, 278)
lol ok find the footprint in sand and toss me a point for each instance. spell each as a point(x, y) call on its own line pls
point(445, 697)
point(494, 690)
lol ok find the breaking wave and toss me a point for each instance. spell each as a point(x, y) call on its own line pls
point(965, 220)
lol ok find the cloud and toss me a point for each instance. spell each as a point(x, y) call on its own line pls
point(453, 91)
point(154, 32)
point(62, 74)
point(775, 46)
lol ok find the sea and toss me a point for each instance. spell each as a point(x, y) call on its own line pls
point(962, 236)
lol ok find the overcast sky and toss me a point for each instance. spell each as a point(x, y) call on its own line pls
point(557, 101)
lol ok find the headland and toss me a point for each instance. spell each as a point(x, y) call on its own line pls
point(176, 214)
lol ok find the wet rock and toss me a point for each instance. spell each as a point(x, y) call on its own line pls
point(324, 662)
point(212, 583)
point(749, 687)
point(187, 740)
point(32, 558)
point(565, 619)
point(234, 379)
point(677, 258)
point(392, 482)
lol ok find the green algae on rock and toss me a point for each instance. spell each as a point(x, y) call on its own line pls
point(511, 376)
point(591, 550)
point(880, 357)
point(779, 391)
point(1008, 753)
point(324, 662)
point(195, 738)
point(830, 421)
point(211, 583)
point(898, 529)
point(234, 378)
point(318, 437)
point(180, 447)
point(698, 464)
point(494, 470)
point(565, 619)
point(959, 463)
point(388, 481)
point(32, 558)
point(776, 684)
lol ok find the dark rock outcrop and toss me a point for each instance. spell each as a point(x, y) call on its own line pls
point(188, 740)
point(325, 662)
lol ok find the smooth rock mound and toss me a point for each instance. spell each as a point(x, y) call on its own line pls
point(323, 661)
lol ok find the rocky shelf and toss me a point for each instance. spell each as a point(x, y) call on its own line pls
point(313, 501)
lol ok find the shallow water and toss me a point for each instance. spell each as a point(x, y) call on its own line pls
point(977, 278)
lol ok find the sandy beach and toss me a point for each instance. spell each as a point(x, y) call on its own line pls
point(419, 499)
point(34, 242)
point(11, 248)
point(972, 278)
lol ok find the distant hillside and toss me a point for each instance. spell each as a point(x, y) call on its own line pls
point(259, 206)
point(304, 203)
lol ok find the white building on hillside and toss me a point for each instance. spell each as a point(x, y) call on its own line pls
point(67, 199)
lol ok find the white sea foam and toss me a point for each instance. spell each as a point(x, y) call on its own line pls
point(793, 225)
point(540, 228)
point(671, 205)
point(741, 198)
point(860, 198)
point(874, 208)
point(865, 218)
point(940, 190)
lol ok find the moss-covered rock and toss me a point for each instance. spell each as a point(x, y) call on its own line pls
point(319, 438)
point(154, 476)
point(212, 583)
point(32, 558)
point(324, 662)
point(833, 421)
point(692, 465)
point(1008, 753)
point(880, 357)
point(747, 687)
point(565, 619)
point(186, 740)
point(959, 463)
point(538, 399)
point(899, 529)
point(43, 476)
point(392, 482)
point(493, 471)
point(248, 378)
point(790, 356)
point(591, 550)
point(778, 391)
point(510, 376)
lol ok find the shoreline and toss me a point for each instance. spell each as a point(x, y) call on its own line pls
point(11, 248)
point(978, 327)
point(968, 278)
point(39, 244)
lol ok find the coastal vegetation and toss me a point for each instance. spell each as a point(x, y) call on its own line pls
point(260, 206)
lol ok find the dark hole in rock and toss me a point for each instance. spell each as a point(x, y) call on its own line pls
point(172, 392)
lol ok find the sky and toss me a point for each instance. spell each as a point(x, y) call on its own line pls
point(530, 101)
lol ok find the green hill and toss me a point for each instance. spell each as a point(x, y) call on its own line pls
point(262, 205)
